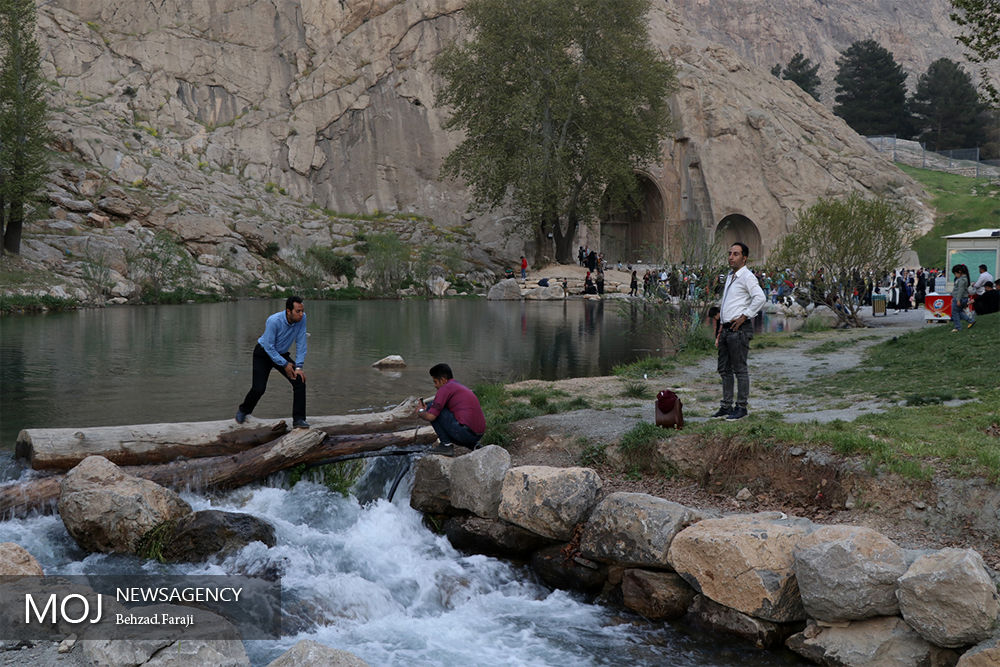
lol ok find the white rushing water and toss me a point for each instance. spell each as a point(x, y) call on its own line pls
point(373, 580)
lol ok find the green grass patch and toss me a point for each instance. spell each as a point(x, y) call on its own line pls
point(647, 366)
point(639, 449)
point(963, 204)
point(17, 303)
point(503, 407)
point(830, 347)
point(635, 389)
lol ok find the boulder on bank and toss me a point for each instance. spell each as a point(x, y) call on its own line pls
point(492, 537)
point(476, 480)
point(309, 653)
point(549, 293)
point(15, 561)
point(983, 654)
point(560, 568)
point(548, 501)
point(656, 595)
point(719, 618)
point(505, 290)
point(744, 562)
point(202, 535)
point(878, 641)
point(438, 286)
point(432, 485)
point(106, 510)
point(634, 529)
point(848, 573)
point(948, 597)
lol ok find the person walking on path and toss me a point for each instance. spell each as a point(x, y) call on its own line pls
point(960, 298)
point(633, 287)
point(272, 353)
point(454, 414)
point(742, 299)
point(524, 268)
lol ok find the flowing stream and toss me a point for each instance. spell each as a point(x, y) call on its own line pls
point(359, 573)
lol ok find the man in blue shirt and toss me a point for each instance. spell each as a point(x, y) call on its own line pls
point(280, 331)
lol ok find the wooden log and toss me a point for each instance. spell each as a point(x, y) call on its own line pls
point(308, 446)
point(142, 444)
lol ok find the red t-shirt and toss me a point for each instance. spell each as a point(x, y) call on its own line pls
point(524, 265)
point(463, 404)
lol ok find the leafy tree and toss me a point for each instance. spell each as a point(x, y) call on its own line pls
point(23, 110)
point(839, 242)
point(386, 263)
point(871, 95)
point(802, 73)
point(981, 20)
point(558, 100)
point(946, 107)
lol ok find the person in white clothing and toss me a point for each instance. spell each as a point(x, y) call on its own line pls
point(742, 299)
point(979, 286)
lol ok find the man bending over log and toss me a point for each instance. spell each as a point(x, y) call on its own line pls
point(271, 352)
point(455, 413)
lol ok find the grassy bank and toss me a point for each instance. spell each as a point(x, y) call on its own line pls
point(947, 405)
point(963, 204)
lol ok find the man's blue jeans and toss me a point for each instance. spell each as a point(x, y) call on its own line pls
point(450, 431)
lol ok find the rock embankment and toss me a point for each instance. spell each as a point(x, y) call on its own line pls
point(837, 595)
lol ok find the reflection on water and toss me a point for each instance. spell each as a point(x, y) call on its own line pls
point(192, 362)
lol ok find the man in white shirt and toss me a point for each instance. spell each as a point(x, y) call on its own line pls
point(742, 299)
point(979, 286)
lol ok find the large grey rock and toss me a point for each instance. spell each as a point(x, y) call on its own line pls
point(438, 286)
point(720, 618)
point(170, 646)
point(983, 654)
point(548, 501)
point(492, 537)
point(948, 597)
point(878, 641)
point(104, 509)
point(309, 653)
point(744, 562)
point(213, 533)
point(432, 485)
point(505, 290)
point(848, 573)
point(656, 595)
point(634, 529)
point(15, 561)
point(550, 293)
point(559, 567)
point(476, 479)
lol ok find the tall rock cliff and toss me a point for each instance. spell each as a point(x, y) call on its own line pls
point(241, 125)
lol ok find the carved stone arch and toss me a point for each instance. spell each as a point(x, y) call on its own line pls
point(736, 227)
point(634, 231)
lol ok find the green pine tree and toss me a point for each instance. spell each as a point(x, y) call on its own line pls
point(871, 91)
point(23, 112)
point(803, 73)
point(946, 107)
point(981, 21)
point(559, 101)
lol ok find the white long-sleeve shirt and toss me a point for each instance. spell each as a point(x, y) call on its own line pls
point(979, 286)
point(741, 296)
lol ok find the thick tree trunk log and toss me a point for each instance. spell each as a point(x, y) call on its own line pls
point(223, 472)
point(63, 448)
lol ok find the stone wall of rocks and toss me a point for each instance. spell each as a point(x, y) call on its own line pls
point(835, 594)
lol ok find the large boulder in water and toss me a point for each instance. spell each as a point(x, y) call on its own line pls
point(887, 640)
point(307, 653)
point(476, 479)
point(505, 290)
point(104, 509)
point(548, 501)
point(209, 533)
point(15, 561)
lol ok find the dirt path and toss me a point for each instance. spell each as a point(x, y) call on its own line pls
point(819, 485)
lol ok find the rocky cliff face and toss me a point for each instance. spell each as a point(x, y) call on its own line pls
point(241, 124)
point(917, 32)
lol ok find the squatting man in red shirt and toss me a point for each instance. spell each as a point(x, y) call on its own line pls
point(454, 414)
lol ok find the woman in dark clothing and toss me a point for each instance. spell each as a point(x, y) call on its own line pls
point(634, 285)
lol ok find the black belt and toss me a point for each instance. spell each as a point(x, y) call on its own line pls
point(730, 322)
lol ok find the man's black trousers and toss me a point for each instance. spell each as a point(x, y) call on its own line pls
point(262, 367)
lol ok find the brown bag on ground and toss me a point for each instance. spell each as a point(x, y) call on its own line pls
point(669, 410)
